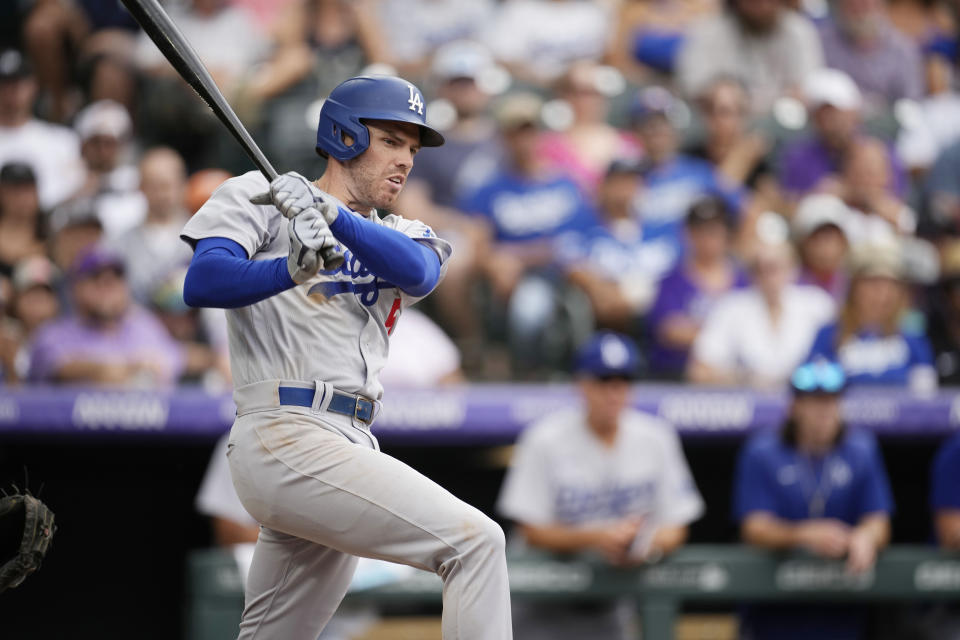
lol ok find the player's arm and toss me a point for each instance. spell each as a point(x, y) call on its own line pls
point(612, 539)
point(947, 522)
point(389, 254)
point(220, 275)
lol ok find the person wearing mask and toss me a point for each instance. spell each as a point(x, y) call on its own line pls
point(868, 338)
point(601, 479)
point(817, 485)
point(688, 293)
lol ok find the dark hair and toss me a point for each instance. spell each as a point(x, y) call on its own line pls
point(788, 433)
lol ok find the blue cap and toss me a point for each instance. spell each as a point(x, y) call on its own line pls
point(608, 354)
point(819, 376)
point(93, 260)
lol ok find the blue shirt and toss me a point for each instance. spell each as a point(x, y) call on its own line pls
point(945, 484)
point(666, 195)
point(871, 358)
point(609, 254)
point(522, 209)
point(847, 483)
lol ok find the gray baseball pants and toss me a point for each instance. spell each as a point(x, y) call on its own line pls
point(324, 494)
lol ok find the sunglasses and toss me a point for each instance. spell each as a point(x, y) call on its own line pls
point(818, 377)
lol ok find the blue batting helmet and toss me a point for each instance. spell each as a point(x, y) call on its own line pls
point(369, 98)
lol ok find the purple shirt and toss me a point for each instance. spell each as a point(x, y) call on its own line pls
point(139, 337)
point(680, 294)
point(807, 161)
point(889, 70)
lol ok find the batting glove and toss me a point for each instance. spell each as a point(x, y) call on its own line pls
point(309, 236)
point(291, 194)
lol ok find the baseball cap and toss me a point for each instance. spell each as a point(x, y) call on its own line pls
point(461, 59)
point(75, 213)
point(709, 209)
point(879, 260)
point(608, 354)
point(518, 110)
point(818, 376)
point(13, 65)
point(103, 118)
point(34, 271)
point(832, 87)
point(820, 210)
point(17, 173)
point(651, 101)
point(94, 260)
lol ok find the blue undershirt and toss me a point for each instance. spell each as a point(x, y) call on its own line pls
point(222, 276)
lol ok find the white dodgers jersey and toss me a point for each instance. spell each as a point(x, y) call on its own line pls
point(335, 327)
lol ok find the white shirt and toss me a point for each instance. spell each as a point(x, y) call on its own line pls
point(563, 474)
point(421, 354)
point(415, 28)
point(334, 327)
point(739, 334)
point(54, 153)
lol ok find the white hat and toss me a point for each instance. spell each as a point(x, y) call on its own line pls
point(819, 210)
point(832, 87)
point(103, 118)
point(461, 59)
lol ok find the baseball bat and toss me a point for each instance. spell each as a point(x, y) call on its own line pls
point(175, 48)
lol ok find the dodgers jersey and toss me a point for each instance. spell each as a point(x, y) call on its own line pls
point(335, 327)
point(563, 474)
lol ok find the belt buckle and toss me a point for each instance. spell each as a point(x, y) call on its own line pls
point(356, 410)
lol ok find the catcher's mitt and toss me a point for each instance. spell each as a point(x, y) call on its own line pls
point(26, 528)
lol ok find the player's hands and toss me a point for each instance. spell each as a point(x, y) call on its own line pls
point(825, 537)
point(309, 236)
point(614, 540)
point(861, 552)
point(289, 192)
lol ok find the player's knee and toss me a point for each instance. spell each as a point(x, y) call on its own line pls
point(487, 535)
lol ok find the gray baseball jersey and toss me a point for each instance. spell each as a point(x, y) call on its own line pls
point(335, 327)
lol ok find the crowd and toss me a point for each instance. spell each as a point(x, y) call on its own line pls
point(678, 173)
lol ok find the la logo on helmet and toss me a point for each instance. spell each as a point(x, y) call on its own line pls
point(415, 101)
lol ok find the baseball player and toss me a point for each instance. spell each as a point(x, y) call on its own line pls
point(307, 343)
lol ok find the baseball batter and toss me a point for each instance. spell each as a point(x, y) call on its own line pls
point(306, 346)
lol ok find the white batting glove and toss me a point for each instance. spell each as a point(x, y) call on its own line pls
point(291, 194)
point(309, 236)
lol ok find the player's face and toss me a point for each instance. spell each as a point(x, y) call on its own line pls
point(605, 400)
point(818, 419)
point(378, 174)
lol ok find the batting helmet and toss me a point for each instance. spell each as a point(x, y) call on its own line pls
point(369, 98)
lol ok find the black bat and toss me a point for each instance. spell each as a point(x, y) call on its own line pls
point(175, 48)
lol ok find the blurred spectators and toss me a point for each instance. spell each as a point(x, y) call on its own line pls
point(52, 34)
point(926, 22)
point(945, 494)
point(32, 302)
point(202, 333)
point(859, 40)
point(539, 39)
point(201, 185)
point(936, 124)
point(816, 485)
point(603, 479)
point(469, 157)
point(9, 335)
point(866, 184)
point(814, 162)
point(943, 317)
point(418, 27)
point(672, 181)
point(105, 340)
point(51, 150)
point(771, 48)
point(412, 366)
point(609, 261)
point(74, 227)
point(111, 179)
point(757, 336)
point(22, 228)
point(589, 144)
point(942, 195)
point(688, 293)
point(316, 45)
point(152, 249)
point(820, 230)
point(525, 207)
point(230, 45)
point(648, 36)
point(868, 338)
